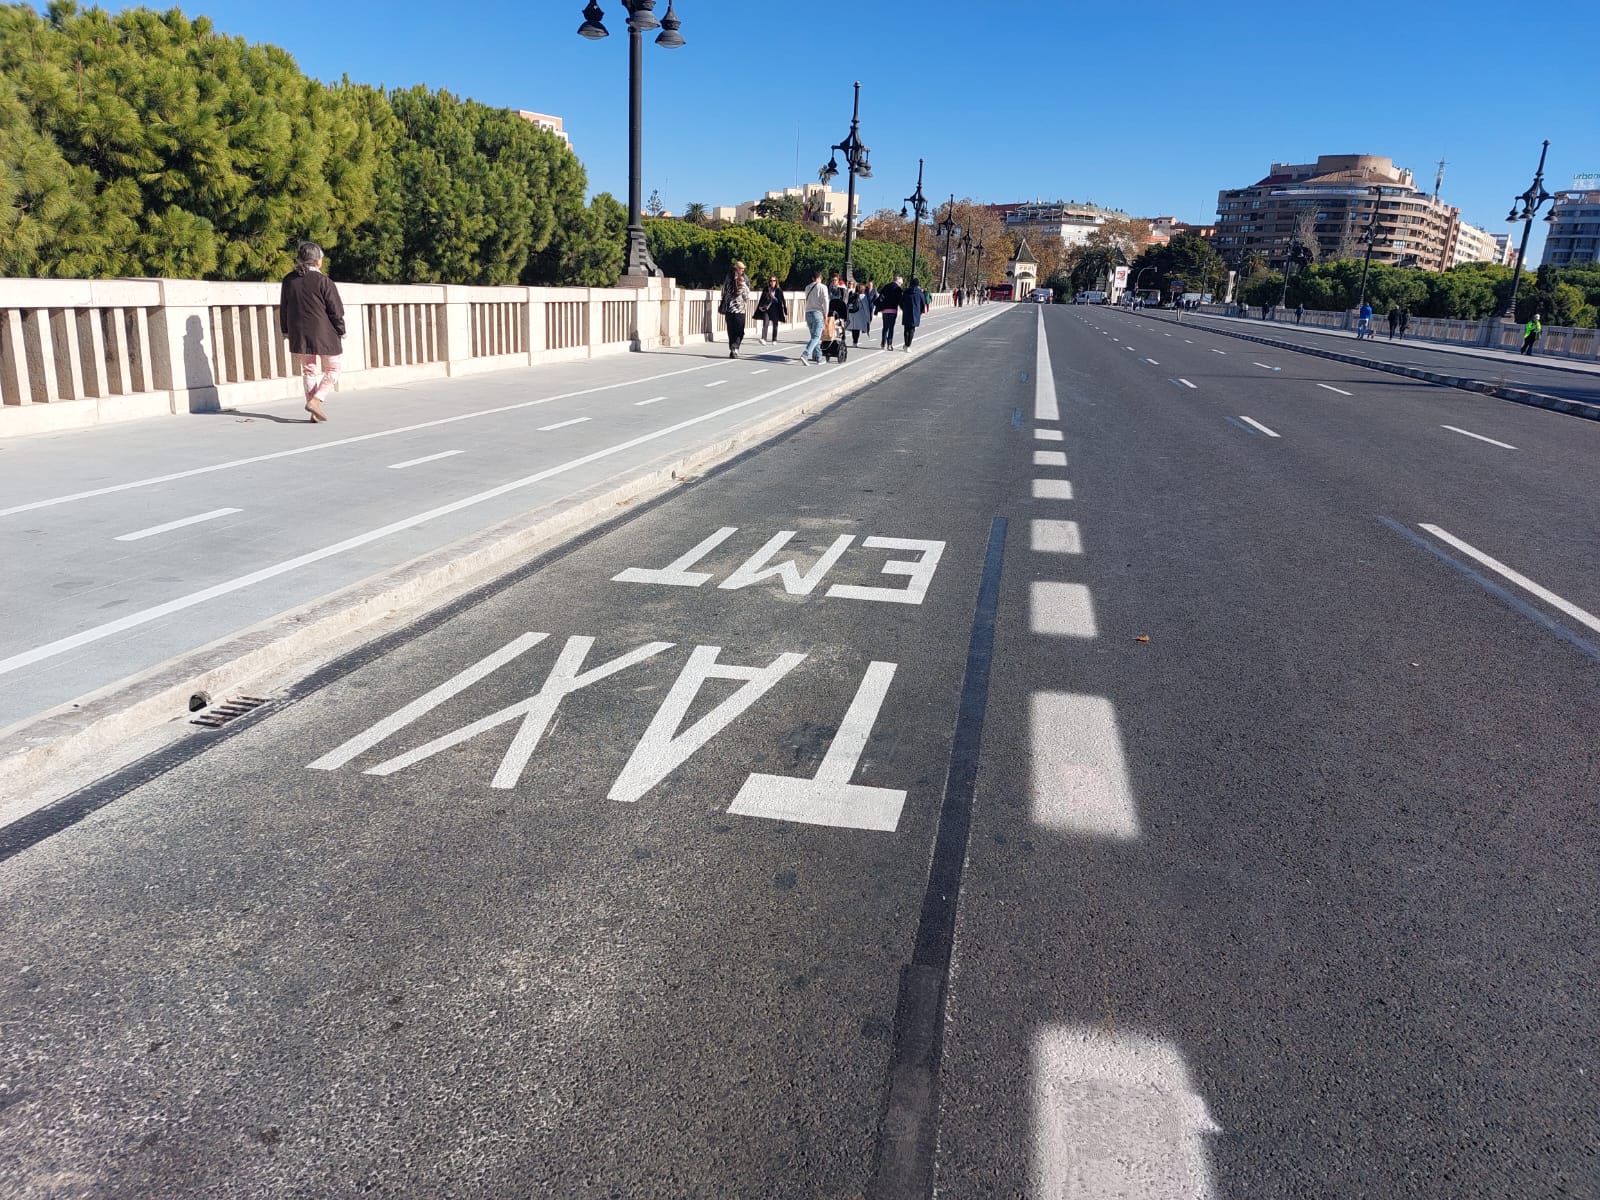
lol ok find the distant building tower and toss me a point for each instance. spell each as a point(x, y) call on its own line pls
point(545, 122)
point(1574, 225)
point(1023, 271)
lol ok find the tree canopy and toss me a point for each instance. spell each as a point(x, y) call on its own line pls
point(699, 257)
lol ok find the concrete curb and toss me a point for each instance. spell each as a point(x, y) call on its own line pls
point(1574, 408)
point(67, 736)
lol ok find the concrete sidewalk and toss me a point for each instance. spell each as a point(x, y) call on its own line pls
point(159, 560)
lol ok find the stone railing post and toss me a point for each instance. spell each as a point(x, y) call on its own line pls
point(182, 350)
point(457, 331)
point(594, 321)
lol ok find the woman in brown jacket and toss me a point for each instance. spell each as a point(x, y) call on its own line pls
point(312, 318)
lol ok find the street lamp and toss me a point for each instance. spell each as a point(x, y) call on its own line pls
point(855, 159)
point(947, 230)
point(637, 264)
point(983, 284)
point(1532, 201)
point(966, 249)
point(916, 206)
point(1137, 278)
point(1369, 236)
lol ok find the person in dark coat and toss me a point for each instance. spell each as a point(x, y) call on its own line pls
point(889, 305)
point(312, 318)
point(913, 303)
point(772, 308)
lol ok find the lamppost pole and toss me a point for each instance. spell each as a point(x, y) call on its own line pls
point(1532, 201)
point(1369, 235)
point(983, 284)
point(966, 249)
point(1137, 278)
point(947, 229)
point(855, 158)
point(637, 265)
point(919, 208)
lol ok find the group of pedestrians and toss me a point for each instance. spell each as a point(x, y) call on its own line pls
point(831, 310)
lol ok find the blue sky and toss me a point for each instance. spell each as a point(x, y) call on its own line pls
point(1151, 107)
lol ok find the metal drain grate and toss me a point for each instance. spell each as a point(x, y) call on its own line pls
point(219, 715)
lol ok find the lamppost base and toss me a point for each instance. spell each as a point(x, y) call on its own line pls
point(638, 266)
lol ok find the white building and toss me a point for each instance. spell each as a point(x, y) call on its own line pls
point(829, 205)
point(545, 122)
point(1072, 223)
point(1505, 252)
point(1475, 245)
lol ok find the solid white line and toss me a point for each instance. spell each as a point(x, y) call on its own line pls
point(1045, 407)
point(145, 616)
point(562, 424)
point(652, 400)
point(1152, 362)
point(1186, 383)
point(1522, 581)
point(1479, 436)
point(1331, 388)
point(139, 534)
point(349, 441)
point(716, 383)
point(1258, 425)
point(413, 462)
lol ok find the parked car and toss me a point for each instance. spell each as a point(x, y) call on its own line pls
point(1042, 296)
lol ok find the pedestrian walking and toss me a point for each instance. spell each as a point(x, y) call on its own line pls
point(1405, 319)
point(872, 300)
point(860, 320)
point(1530, 334)
point(889, 305)
point(1394, 321)
point(771, 309)
point(736, 297)
point(913, 303)
point(1299, 312)
point(1364, 321)
point(311, 316)
point(816, 312)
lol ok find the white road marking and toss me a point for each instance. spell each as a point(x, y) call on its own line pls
point(919, 572)
point(1045, 407)
point(417, 462)
point(562, 424)
point(1166, 335)
point(1188, 342)
point(1331, 388)
point(755, 569)
point(1258, 425)
point(652, 400)
point(677, 573)
point(141, 534)
point(1048, 489)
point(420, 707)
point(663, 749)
point(830, 798)
point(1049, 458)
point(1054, 537)
point(760, 370)
point(1080, 780)
point(1265, 366)
point(1479, 436)
point(1522, 581)
point(1152, 362)
point(349, 441)
point(1047, 435)
point(1115, 1113)
point(1186, 383)
point(716, 383)
point(156, 612)
point(1127, 347)
point(1214, 351)
point(1060, 610)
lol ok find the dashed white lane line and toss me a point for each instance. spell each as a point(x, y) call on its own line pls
point(141, 534)
point(1052, 489)
point(1054, 537)
point(1331, 388)
point(1049, 458)
point(1258, 425)
point(761, 371)
point(417, 462)
point(1188, 341)
point(562, 424)
point(652, 400)
point(1152, 362)
point(1265, 366)
point(1186, 383)
point(716, 383)
point(1061, 610)
point(1479, 436)
point(1522, 581)
point(1048, 435)
point(1215, 351)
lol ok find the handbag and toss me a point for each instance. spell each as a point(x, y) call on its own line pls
point(722, 305)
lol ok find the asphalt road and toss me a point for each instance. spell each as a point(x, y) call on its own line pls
point(1532, 373)
point(1280, 879)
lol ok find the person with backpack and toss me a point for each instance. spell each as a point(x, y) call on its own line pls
point(1530, 334)
point(312, 318)
point(736, 297)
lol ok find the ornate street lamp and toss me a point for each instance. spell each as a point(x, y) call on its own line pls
point(637, 265)
point(983, 284)
point(947, 230)
point(1532, 201)
point(855, 160)
point(1369, 237)
point(966, 249)
point(916, 206)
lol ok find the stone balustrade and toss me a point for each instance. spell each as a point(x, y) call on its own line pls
point(76, 352)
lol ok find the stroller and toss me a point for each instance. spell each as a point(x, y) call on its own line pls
point(835, 347)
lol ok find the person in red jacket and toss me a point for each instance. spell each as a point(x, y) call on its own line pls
point(312, 318)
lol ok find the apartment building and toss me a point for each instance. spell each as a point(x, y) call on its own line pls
point(1332, 201)
point(1072, 222)
point(829, 205)
point(545, 122)
point(1574, 235)
point(1474, 245)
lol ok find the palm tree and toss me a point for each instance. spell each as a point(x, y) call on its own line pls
point(694, 212)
